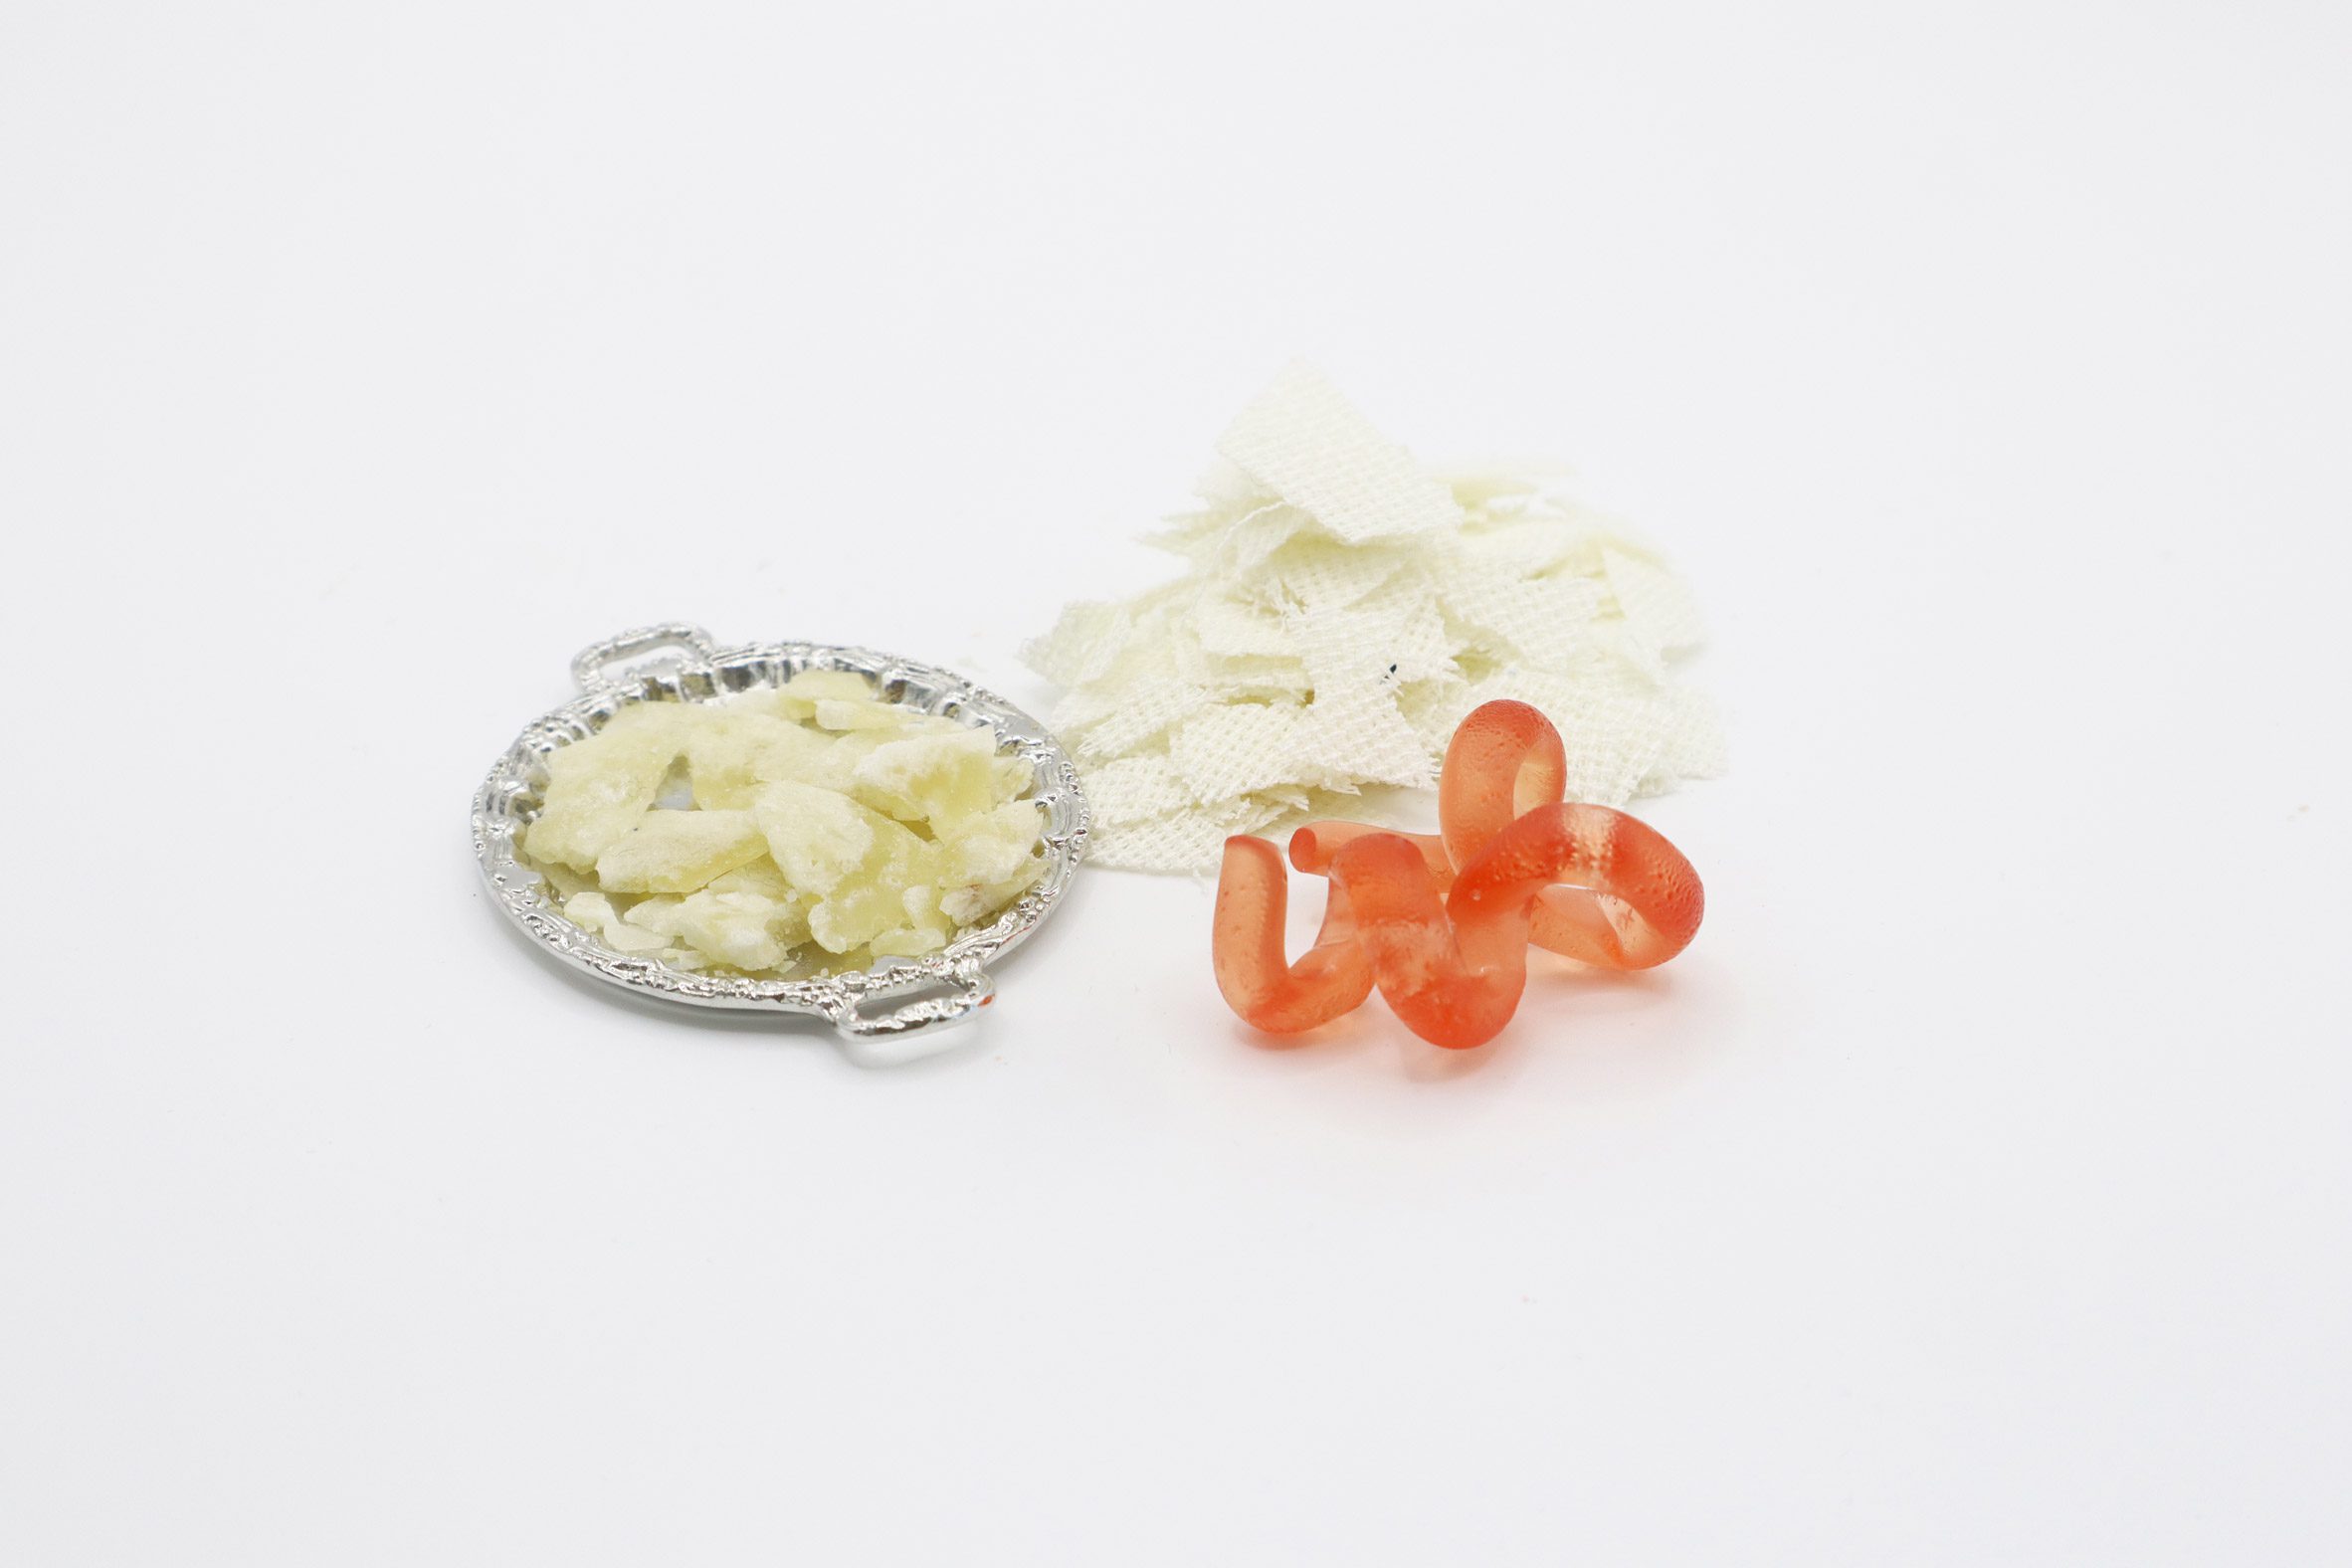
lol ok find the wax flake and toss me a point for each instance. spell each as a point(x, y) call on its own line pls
point(595, 912)
point(1339, 616)
point(599, 788)
point(744, 931)
point(785, 817)
point(679, 850)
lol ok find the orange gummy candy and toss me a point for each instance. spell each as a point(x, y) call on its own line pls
point(1442, 923)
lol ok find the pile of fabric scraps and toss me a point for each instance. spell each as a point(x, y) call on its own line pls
point(1344, 610)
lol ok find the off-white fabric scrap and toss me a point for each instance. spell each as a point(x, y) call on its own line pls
point(1183, 841)
point(1256, 536)
point(1384, 642)
point(1151, 659)
point(1695, 747)
point(1227, 542)
point(1655, 601)
point(1226, 484)
point(1623, 642)
point(1145, 716)
point(1404, 626)
point(1133, 789)
point(1306, 443)
point(1359, 736)
point(1541, 621)
point(1334, 623)
point(1228, 626)
point(1225, 753)
point(1436, 708)
point(1314, 574)
point(1244, 678)
point(1524, 548)
point(1082, 644)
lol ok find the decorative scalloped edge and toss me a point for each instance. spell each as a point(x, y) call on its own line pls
point(509, 797)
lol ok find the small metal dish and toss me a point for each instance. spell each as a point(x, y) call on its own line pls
point(676, 662)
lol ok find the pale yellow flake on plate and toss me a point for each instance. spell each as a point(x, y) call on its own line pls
point(782, 846)
point(762, 877)
point(930, 776)
point(593, 912)
point(729, 756)
point(741, 929)
point(798, 697)
point(837, 713)
point(870, 899)
point(973, 903)
point(989, 847)
point(598, 786)
point(679, 850)
point(817, 837)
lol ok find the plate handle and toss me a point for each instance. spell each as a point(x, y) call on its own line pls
point(592, 665)
point(973, 991)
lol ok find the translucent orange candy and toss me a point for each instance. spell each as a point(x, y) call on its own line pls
point(1442, 923)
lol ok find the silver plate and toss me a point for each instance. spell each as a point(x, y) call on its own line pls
point(676, 662)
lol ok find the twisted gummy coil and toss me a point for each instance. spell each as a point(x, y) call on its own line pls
point(1441, 924)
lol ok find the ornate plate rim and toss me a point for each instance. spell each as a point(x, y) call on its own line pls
point(688, 666)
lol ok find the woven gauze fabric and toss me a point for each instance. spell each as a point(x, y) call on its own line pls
point(1341, 610)
point(1306, 445)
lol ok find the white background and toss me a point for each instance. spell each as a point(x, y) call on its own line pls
point(1975, 1190)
